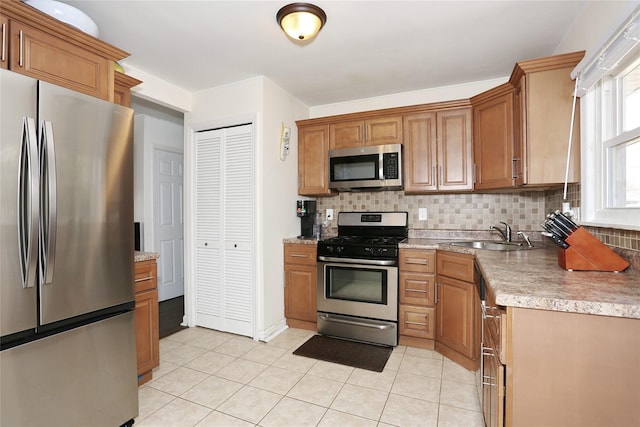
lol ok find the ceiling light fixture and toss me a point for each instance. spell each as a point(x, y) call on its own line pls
point(301, 21)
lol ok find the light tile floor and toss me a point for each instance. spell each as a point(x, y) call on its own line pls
point(210, 378)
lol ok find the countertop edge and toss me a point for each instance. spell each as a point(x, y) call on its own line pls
point(145, 256)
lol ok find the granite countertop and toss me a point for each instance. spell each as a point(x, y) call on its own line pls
point(533, 279)
point(144, 256)
point(301, 240)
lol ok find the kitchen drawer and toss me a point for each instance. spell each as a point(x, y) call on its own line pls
point(417, 322)
point(417, 260)
point(300, 254)
point(417, 289)
point(456, 265)
point(145, 275)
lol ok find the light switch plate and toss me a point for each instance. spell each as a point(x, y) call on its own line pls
point(422, 214)
point(329, 214)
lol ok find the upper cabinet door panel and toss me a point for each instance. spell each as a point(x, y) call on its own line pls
point(45, 57)
point(420, 153)
point(346, 134)
point(384, 130)
point(493, 139)
point(313, 149)
point(455, 150)
point(373, 131)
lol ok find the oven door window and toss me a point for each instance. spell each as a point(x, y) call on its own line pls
point(355, 168)
point(356, 284)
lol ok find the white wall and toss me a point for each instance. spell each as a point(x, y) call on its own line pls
point(279, 194)
point(593, 26)
point(258, 100)
point(150, 133)
point(426, 96)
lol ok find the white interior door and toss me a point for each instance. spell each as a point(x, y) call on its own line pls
point(224, 229)
point(169, 222)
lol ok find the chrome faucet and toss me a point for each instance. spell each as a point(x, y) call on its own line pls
point(506, 234)
point(525, 237)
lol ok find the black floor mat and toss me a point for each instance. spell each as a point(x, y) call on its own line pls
point(351, 353)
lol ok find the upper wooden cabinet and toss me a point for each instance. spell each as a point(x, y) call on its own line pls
point(544, 100)
point(313, 152)
point(438, 151)
point(373, 131)
point(497, 163)
point(44, 48)
point(122, 88)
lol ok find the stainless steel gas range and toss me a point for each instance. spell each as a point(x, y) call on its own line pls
point(357, 293)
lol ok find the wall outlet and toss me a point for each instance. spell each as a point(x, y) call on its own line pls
point(329, 215)
point(422, 214)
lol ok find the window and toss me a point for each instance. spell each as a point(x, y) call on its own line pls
point(610, 122)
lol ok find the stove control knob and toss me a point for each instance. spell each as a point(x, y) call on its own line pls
point(339, 249)
point(329, 248)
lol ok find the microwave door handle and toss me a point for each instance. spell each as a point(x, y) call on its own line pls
point(28, 199)
point(381, 166)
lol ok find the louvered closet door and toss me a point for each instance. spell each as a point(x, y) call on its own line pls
point(224, 229)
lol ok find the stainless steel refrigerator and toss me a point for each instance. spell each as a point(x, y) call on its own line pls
point(67, 327)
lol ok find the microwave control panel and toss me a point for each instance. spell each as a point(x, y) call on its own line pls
point(390, 165)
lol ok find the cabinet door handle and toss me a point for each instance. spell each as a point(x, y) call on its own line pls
point(4, 41)
point(441, 180)
point(436, 293)
point(433, 174)
point(294, 255)
point(475, 173)
point(21, 49)
point(514, 175)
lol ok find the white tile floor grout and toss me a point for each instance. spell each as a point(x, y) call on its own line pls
point(210, 378)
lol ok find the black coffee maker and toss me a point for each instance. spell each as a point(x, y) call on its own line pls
point(306, 210)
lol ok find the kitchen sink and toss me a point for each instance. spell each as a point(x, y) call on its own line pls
point(492, 245)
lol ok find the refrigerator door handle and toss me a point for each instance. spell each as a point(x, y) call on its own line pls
point(48, 202)
point(28, 203)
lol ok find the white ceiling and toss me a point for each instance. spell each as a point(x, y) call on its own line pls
point(366, 49)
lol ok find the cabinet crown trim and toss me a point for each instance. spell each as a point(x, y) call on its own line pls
point(545, 64)
point(437, 106)
point(19, 11)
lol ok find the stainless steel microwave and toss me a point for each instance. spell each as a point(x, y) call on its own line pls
point(376, 167)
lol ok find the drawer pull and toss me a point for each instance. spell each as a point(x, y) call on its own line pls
point(421, 261)
point(422, 291)
point(299, 255)
point(416, 323)
point(142, 279)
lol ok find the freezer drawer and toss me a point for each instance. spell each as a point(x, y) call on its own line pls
point(82, 377)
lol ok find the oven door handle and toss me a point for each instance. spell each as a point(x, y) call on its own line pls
point(359, 261)
point(328, 318)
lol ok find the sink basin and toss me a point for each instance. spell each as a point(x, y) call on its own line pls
point(492, 245)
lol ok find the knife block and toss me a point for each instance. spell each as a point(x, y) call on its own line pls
point(587, 253)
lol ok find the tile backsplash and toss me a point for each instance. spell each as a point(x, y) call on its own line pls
point(524, 211)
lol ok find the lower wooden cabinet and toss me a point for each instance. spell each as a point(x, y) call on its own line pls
point(416, 312)
point(146, 314)
point(458, 313)
point(300, 280)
